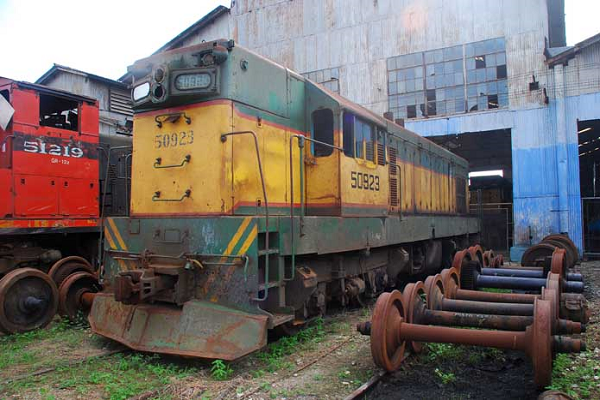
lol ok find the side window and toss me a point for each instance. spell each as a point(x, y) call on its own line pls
point(369, 138)
point(57, 112)
point(349, 134)
point(322, 130)
point(359, 136)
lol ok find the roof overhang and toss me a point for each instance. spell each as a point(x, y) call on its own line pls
point(562, 55)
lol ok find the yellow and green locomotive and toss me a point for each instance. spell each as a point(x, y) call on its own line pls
point(258, 199)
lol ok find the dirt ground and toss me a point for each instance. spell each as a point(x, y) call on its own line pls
point(327, 363)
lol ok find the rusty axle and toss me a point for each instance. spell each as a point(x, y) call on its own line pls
point(390, 331)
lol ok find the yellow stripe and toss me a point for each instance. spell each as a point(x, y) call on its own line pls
point(108, 236)
point(249, 240)
point(236, 238)
point(113, 246)
point(111, 222)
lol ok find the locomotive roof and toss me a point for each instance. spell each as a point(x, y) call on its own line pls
point(141, 67)
point(50, 91)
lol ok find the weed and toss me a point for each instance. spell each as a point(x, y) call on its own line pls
point(117, 377)
point(575, 375)
point(220, 371)
point(273, 356)
point(444, 351)
point(446, 377)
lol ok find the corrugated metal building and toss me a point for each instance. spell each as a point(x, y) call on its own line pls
point(491, 80)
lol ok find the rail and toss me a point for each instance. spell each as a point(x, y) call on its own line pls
point(301, 139)
point(264, 190)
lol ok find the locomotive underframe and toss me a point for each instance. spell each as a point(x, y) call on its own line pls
point(202, 286)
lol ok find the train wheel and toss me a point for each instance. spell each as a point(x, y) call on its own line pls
point(28, 300)
point(535, 253)
point(567, 242)
point(76, 294)
point(387, 348)
point(67, 266)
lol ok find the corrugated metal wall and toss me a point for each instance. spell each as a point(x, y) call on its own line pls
point(358, 36)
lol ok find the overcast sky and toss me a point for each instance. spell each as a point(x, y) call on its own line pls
point(104, 37)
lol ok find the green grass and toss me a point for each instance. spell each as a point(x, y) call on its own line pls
point(494, 290)
point(445, 377)
point(274, 356)
point(20, 348)
point(117, 377)
point(574, 375)
point(220, 371)
point(444, 351)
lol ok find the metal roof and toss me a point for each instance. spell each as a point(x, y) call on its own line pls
point(57, 67)
point(562, 55)
point(51, 91)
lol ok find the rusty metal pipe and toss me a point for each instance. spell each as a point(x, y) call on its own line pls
point(478, 307)
point(487, 321)
point(491, 297)
point(470, 337)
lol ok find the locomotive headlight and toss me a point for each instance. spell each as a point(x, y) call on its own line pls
point(198, 80)
point(141, 91)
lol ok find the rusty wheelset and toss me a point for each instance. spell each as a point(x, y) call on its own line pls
point(433, 311)
point(391, 328)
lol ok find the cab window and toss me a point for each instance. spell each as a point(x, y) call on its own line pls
point(359, 138)
point(322, 130)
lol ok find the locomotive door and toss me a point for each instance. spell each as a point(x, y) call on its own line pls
point(322, 163)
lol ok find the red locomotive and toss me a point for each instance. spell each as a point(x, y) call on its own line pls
point(51, 156)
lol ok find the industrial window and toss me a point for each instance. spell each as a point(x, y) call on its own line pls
point(328, 78)
point(359, 138)
point(57, 112)
point(322, 130)
point(464, 78)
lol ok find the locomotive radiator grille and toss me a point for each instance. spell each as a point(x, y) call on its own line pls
point(393, 177)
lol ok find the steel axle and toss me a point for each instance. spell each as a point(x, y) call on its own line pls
point(390, 331)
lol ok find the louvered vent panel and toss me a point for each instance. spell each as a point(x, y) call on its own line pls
point(393, 177)
point(380, 154)
point(393, 192)
point(120, 102)
point(370, 151)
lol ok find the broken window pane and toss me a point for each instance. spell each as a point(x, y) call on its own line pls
point(59, 113)
point(479, 62)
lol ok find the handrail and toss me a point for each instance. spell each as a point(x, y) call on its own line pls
point(157, 163)
point(171, 117)
point(264, 190)
point(156, 196)
point(301, 139)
